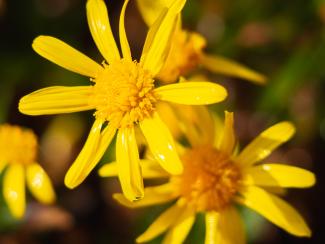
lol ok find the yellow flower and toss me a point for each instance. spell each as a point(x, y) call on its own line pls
point(123, 95)
point(18, 150)
point(215, 179)
point(186, 53)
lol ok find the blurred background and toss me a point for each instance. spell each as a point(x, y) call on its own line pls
point(285, 40)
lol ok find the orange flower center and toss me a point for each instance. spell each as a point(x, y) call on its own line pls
point(210, 179)
point(184, 56)
point(123, 93)
point(17, 145)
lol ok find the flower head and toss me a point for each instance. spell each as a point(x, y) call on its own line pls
point(123, 95)
point(18, 151)
point(215, 179)
point(187, 51)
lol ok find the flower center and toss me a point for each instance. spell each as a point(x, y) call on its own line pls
point(17, 145)
point(210, 179)
point(184, 56)
point(123, 93)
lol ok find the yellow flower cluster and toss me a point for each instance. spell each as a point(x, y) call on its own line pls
point(207, 175)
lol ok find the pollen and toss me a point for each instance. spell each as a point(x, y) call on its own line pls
point(17, 145)
point(123, 93)
point(184, 56)
point(210, 179)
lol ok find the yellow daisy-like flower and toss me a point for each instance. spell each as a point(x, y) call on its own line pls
point(18, 150)
point(215, 178)
point(123, 95)
point(186, 53)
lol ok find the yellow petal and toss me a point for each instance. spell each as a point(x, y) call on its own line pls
point(178, 233)
point(39, 184)
point(56, 100)
point(65, 56)
point(211, 228)
point(150, 170)
point(100, 29)
point(161, 144)
point(265, 143)
point(192, 93)
point(84, 163)
point(14, 189)
point(275, 210)
point(279, 175)
point(127, 158)
point(231, 227)
point(228, 140)
point(150, 10)
point(162, 223)
point(158, 39)
point(3, 164)
point(123, 38)
point(221, 65)
point(153, 196)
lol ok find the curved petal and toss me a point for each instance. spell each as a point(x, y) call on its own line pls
point(192, 93)
point(39, 183)
point(158, 39)
point(161, 144)
point(181, 228)
point(265, 143)
point(82, 166)
point(231, 227)
point(3, 164)
point(151, 9)
point(279, 176)
point(150, 170)
point(153, 196)
point(65, 56)
point(211, 228)
point(228, 140)
point(221, 65)
point(100, 29)
point(275, 210)
point(14, 189)
point(123, 38)
point(127, 158)
point(162, 223)
point(56, 100)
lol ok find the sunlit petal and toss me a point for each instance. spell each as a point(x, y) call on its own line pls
point(275, 210)
point(265, 143)
point(231, 227)
point(14, 189)
point(221, 65)
point(39, 183)
point(100, 29)
point(161, 224)
point(153, 196)
point(56, 100)
point(279, 175)
point(181, 228)
point(192, 93)
point(123, 38)
point(211, 227)
point(158, 39)
point(65, 56)
point(161, 144)
point(84, 164)
point(228, 140)
point(127, 158)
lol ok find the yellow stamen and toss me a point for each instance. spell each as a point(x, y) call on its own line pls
point(210, 179)
point(17, 145)
point(184, 56)
point(123, 92)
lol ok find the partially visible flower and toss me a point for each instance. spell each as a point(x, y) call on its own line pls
point(123, 95)
point(215, 179)
point(18, 151)
point(187, 51)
